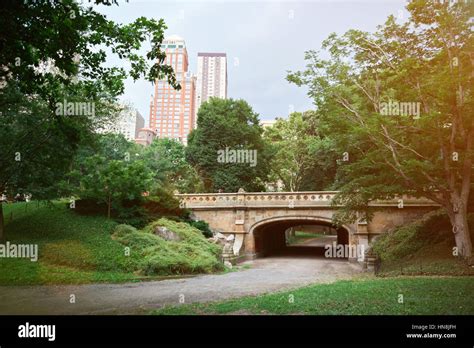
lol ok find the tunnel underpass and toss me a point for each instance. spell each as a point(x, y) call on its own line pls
point(275, 238)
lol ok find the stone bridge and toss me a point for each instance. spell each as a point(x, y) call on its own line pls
point(255, 223)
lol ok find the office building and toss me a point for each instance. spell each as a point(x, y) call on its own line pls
point(172, 112)
point(211, 77)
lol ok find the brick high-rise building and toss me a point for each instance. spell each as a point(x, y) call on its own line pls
point(172, 112)
point(211, 77)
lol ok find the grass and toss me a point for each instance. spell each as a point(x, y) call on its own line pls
point(236, 268)
point(423, 247)
point(303, 236)
point(73, 249)
point(421, 296)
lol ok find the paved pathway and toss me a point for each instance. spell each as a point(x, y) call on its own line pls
point(265, 275)
point(319, 241)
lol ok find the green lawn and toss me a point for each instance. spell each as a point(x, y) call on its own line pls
point(303, 236)
point(72, 249)
point(421, 295)
point(75, 249)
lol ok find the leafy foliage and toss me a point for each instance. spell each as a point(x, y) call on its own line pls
point(203, 226)
point(228, 124)
point(113, 181)
point(53, 52)
point(304, 158)
point(167, 160)
point(426, 151)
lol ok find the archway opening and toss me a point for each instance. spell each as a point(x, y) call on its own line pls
point(298, 237)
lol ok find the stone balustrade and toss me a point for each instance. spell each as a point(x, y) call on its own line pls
point(279, 200)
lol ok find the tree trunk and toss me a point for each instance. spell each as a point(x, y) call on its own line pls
point(292, 232)
point(458, 217)
point(2, 224)
point(462, 236)
point(109, 203)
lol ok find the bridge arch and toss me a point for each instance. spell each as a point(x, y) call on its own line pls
point(268, 235)
point(245, 215)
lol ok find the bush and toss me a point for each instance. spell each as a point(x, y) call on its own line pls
point(408, 239)
point(88, 206)
point(132, 213)
point(203, 226)
point(162, 203)
point(137, 212)
point(424, 246)
point(123, 230)
point(128, 211)
point(192, 254)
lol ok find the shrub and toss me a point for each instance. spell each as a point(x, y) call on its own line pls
point(192, 254)
point(406, 240)
point(132, 213)
point(162, 203)
point(203, 226)
point(424, 246)
point(87, 206)
point(123, 229)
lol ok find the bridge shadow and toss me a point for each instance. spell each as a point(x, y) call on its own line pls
point(300, 239)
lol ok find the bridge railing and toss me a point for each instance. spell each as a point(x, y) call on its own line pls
point(280, 200)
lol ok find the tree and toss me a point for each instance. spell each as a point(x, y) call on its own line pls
point(52, 52)
point(167, 160)
point(227, 147)
point(63, 40)
point(399, 103)
point(112, 181)
point(35, 148)
point(304, 157)
point(111, 170)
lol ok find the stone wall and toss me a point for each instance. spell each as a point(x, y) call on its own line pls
point(244, 214)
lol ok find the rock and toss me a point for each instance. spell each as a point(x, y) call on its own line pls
point(213, 240)
point(220, 235)
point(228, 264)
point(193, 217)
point(230, 238)
point(167, 234)
point(227, 249)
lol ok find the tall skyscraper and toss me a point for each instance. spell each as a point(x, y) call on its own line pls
point(172, 112)
point(211, 77)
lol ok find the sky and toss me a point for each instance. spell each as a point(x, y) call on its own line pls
point(262, 39)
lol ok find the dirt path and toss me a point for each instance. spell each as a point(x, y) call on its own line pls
point(265, 275)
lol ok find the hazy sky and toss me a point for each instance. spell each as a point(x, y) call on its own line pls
point(263, 40)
